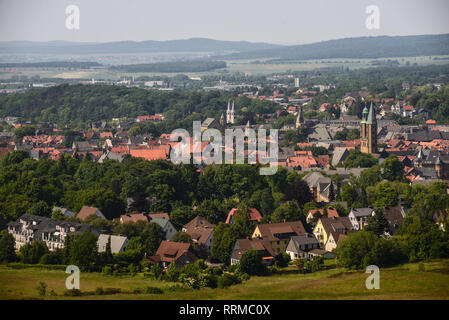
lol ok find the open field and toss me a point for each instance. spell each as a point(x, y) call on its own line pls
point(249, 66)
point(403, 282)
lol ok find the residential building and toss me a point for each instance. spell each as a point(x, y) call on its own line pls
point(299, 246)
point(253, 213)
point(359, 217)
point(262, 246)
point(87, 211)
point(29, 228)
point(169, 252)
point(118, 243)
point(278, 234)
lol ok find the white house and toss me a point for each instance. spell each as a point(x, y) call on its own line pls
point(359, 217)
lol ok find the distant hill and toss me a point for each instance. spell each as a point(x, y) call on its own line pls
point(358, 48)
point(188, 45)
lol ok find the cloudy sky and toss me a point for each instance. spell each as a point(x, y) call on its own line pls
point(275, 21)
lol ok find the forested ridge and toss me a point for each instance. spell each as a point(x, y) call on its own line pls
point(78, 104)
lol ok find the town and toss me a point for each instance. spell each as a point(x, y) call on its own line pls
point(152, 158)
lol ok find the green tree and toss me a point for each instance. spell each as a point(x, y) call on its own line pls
point(181, 237)
point(7, 252)
point(84, 251)
point(33, 252)
point(393, 169)
point(378, 224)
point(251, 263)
point(288, 211)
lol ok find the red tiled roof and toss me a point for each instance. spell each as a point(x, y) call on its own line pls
point(254, 214)
point(149, 154)
point(133, 217)
point(85, 212)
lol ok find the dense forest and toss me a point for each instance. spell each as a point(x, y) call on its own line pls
point(78, 105)
point(178, 66)
point(363, 47)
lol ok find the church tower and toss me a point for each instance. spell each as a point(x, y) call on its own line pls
point(299, 119)
point(368, 131)
point(230, 113)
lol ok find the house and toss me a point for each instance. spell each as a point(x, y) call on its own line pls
point(201, 231)
point(109, 155)
point(395, 217)
point(359, 217)
point(253, 212)
point(169, 252)
point(197, 222)
point(325, 226)
point(29, 228)
point(278, 234)
point(118, 243)
point(340, 154)
point(319, 186)
point(299, 246)
point(166, 226)
point(331, 212)
point(262, 246)
point(133, 217)
point(149, 154)
point(64, 211)
point(211, 123)
point(87, 211)
point(334, 240)
point(161, 215)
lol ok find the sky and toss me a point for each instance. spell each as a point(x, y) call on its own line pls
point(273, 21)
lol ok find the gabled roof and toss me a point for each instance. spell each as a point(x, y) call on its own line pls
point(87, 211)
point(169, 251)
point(149, 154)
point(393, 215)
point(362, 212)
point(133, 217)
point(336, 224)
point(271, 231)
point(160, 215)
point(297, 241)
point(254, 215)
point(117, 243)
point(263, 246)
point(198, 222)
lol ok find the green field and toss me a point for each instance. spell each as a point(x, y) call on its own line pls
point(404, 282)
point(249, 66)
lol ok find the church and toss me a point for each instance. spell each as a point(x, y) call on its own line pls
point(368, 131)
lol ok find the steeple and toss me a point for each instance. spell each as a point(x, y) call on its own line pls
point(371, 119)
point(299, 118)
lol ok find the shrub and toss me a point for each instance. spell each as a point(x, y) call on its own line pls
point(99, 291)
point(41, 288)
point(153, 290)
point(107, 270)
point(217, 271)
point(227, 280)
point(112, 290)
point(73, 293)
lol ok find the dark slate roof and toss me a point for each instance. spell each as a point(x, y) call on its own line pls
point(426, 135)
point(44, 225)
